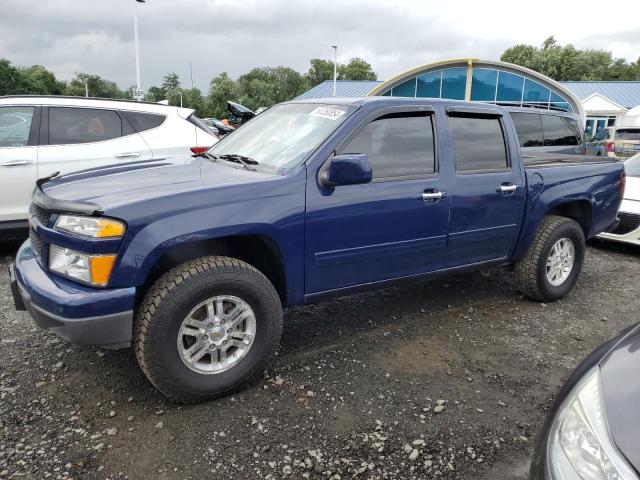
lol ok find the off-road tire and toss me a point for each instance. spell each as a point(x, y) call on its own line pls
point(168, 302)
point(531, 270)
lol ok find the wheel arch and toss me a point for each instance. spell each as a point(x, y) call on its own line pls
point(578, 210)
point(258, 250)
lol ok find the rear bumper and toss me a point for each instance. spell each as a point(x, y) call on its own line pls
point(628, 228)
point(83, 315)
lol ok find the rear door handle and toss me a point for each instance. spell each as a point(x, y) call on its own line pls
point(128, 155)
point(432, 195)
point(16, 163)
point(507, 188)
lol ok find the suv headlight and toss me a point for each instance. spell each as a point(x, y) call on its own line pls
point(93, 270)
point(580, 446)
point(94, 227)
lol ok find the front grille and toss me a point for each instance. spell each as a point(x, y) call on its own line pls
point(628, 223)
point(40, 214)
point(36, 244)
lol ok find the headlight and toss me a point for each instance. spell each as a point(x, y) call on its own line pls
point(580, 446)
point(90, 269)
point(95, 227)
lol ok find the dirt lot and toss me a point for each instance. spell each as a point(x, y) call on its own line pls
point(352, 393)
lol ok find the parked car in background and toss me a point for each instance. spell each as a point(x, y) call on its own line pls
point(218, 127)
point(40, 135)
point(628, 230)
point(619, 142)
point(593, 428)
point(548, 131)
point(239, 113)
point(191, 260)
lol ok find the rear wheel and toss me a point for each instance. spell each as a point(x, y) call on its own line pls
point(554, 260)
point(207, 328)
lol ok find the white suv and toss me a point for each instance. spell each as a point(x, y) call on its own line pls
point(40, 135)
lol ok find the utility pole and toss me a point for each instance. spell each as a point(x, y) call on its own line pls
point(335, 67)
point(86, 88)
point(137, 47)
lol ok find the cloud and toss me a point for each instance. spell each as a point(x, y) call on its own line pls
point(68, 36)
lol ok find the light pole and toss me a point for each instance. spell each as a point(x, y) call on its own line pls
point(335, 67)
point(135, 34)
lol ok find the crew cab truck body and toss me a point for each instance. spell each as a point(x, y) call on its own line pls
point(190, 261)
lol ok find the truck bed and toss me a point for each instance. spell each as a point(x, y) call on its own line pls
point(545, 159)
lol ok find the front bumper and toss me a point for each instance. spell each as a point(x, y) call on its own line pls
point(79, 314)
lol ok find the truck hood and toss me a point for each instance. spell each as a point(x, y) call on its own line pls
point(123, 184)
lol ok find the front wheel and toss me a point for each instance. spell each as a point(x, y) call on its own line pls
point(207, 328)
point(554, 260)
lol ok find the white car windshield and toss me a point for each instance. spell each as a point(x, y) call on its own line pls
point(281, 138)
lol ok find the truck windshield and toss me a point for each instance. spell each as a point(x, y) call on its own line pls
point(281, 138)
point(632, 166)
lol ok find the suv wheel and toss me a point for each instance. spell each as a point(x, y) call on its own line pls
point(207, 328)
point(553, 262)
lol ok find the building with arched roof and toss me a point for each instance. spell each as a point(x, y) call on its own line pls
point(483, 81)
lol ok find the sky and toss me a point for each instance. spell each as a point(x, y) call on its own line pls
point(96, 36)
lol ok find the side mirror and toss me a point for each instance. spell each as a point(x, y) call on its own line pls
point(347, 169)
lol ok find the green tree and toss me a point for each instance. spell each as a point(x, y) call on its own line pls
point(193, 99)
point(38, 80)
point(171, 86)
point(319, 71)
point(10, 78)
point(221, 89)
point(568, 63)
point(156, 94)
point(356, 69)
point(98, 87)
point(265, 86)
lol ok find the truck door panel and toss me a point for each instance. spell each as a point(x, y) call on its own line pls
point(488, 194)
point(357, 234)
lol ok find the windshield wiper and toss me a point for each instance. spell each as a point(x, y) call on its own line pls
point(246, 162)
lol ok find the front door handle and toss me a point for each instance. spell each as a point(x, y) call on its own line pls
point(128, 155)
point(507, 188)
point(432, 195)
point(16, 163)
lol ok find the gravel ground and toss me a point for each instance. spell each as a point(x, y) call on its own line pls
point(449, 378)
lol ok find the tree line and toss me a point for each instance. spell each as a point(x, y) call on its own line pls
point(568, 63)
point(265, 86)
point(260, 87)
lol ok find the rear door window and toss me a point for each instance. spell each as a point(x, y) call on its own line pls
point(69, 126)
point(398, 145)
point(529, 129)
point(15, 126)
point(560, 131)
point(478, 144)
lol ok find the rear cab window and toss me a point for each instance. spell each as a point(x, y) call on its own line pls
point(398, 145)
point(478, 144)
point(560, 131)
point(529, 129)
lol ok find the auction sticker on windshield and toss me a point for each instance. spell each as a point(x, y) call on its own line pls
point(327, 112)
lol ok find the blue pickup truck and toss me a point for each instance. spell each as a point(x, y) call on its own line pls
point(190, 260)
